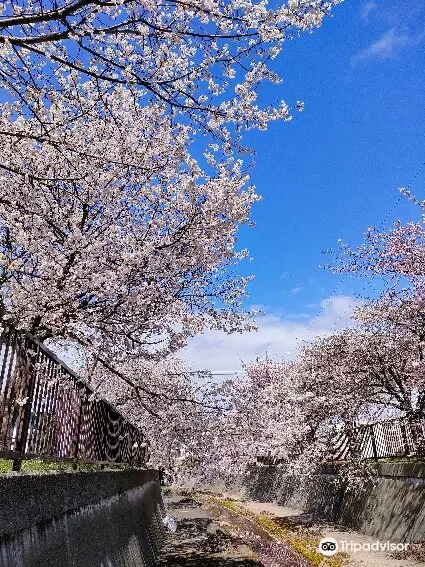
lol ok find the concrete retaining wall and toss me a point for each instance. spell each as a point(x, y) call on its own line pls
point(87, 519)
point(391, 509)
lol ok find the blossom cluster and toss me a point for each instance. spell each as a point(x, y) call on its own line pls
point(111, 234)
point(202, 59)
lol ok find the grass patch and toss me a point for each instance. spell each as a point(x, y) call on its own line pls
point(5, 465)
point(413, 459)
point(38, 465)
point(304, 546)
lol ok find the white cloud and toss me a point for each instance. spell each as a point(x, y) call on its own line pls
point(367, 8)
point(387, 46)
point(278, 336)
point(298, 315)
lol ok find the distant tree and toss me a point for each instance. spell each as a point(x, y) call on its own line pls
point(363, 372)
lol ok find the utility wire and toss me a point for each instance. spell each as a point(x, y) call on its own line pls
point(366, 280)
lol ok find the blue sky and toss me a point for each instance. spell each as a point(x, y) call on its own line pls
point(331, 172)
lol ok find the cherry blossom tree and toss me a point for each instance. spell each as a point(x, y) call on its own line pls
point(101, 103)
point(203, 59)
point(111, 234)
point(396, 318)
point(395, 253)
point(203, 429)
point(366, 372)
point(266, 420)
point(171, 405)
point(294, 411)
point(280, 412)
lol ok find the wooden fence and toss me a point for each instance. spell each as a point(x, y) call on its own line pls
point(48, 412)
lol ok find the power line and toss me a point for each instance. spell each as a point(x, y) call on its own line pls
point(366, 280)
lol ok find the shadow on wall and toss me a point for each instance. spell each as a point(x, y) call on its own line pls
point(124, 530)
point(263, 483)
point(269, 484)
point(393, 508)
point(324, 498)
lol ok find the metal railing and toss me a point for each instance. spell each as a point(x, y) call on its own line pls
point(48, 412)
point(391, 438)
point(397, 437)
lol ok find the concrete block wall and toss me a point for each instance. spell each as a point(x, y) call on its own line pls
point(87, 519)
point(394, 508)
point(391, 509)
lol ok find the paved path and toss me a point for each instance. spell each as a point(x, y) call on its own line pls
point(356, 559)
point(199, 541)
point(208, 536)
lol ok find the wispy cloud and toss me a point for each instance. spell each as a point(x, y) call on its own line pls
point(295, 290)
point(368, 8)
point(388, 46)
point(278, 336)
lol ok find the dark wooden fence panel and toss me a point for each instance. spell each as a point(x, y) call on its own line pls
point(47, 411)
